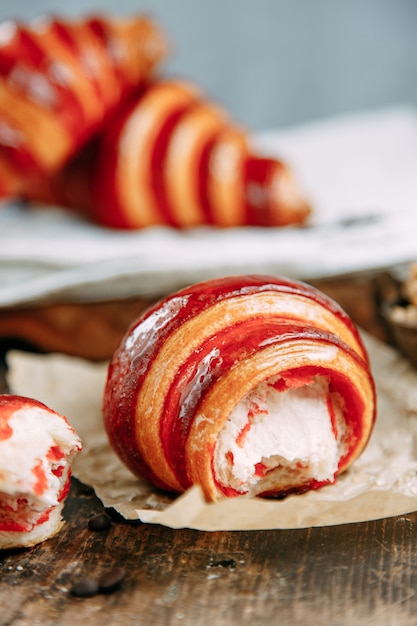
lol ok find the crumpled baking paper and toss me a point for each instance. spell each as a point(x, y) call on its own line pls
point(381, 483)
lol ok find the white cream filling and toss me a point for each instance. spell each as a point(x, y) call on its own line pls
point(280, 439)
point(26, 458)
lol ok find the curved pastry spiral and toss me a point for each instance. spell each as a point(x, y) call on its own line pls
point(251, 385)
point(59, 82)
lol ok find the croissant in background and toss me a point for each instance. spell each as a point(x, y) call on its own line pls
point(172, 157)
point(84, 123)
point(60, 80)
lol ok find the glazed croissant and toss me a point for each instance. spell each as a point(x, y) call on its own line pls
point(245, 385)
point(60, 80)
point(171, 157)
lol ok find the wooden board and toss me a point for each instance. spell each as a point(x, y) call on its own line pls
point(351, 574)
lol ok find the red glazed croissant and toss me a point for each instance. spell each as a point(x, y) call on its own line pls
point(173, 158)
point(244, 385)
point(59, 81)
point(37, 447)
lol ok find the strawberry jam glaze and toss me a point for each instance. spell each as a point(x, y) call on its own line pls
point(188, 385)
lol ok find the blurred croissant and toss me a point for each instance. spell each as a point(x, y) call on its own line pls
point(60, 80)
point(172, 157)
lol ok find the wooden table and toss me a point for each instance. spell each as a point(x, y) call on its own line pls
point(351, 574)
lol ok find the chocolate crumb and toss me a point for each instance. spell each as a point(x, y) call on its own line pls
point(98, 522)
point(85, 588)
point(110, 581)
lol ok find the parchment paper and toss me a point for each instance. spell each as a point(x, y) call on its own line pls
point(382, 482)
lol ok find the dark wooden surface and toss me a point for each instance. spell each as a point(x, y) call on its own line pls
point(352, 574)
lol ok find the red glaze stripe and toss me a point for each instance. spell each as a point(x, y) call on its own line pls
point(257, 174)
point(19, 157)
point(203, 179)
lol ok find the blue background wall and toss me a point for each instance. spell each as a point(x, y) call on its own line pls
point(275, 63)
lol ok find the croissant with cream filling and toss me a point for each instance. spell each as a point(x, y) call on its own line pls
point(245, 385)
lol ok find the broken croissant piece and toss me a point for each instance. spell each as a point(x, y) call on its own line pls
point(173, 158)
point(245, 385)
point(37, 448)
point(60, 80)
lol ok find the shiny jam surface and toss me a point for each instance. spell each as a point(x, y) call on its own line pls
point(215, 356)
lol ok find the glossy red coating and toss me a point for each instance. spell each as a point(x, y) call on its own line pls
point(215, 356)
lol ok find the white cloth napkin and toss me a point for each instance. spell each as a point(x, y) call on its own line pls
point(359, 171)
